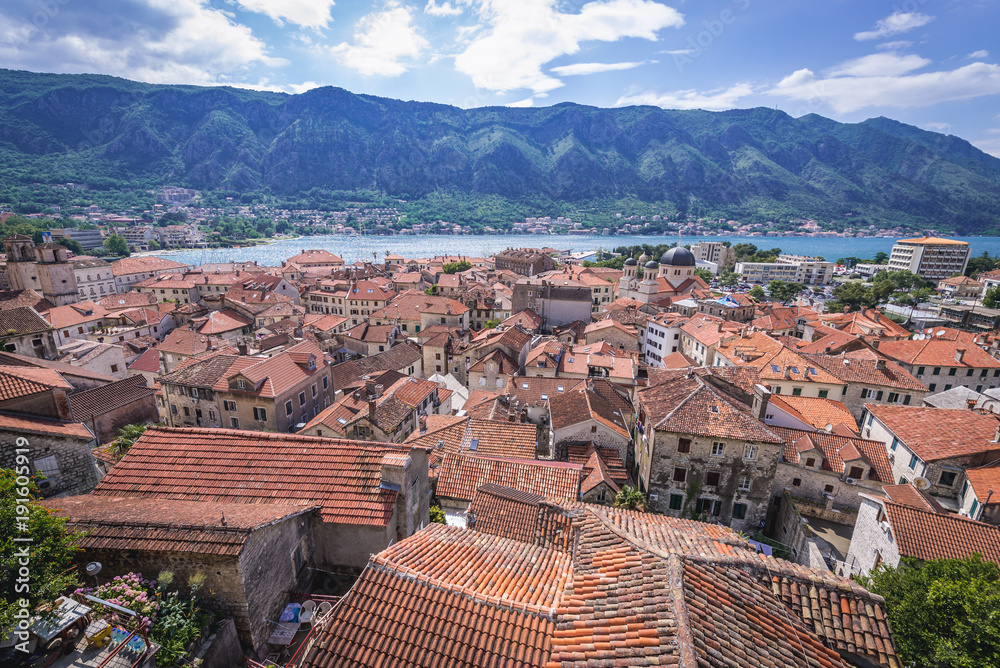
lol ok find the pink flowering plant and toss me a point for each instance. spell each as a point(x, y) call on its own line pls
point(130, 591)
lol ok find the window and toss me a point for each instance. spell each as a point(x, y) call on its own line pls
point(718, 449)
point(947, 387)
point(314, 389)
point(676, 501)
point(969, 372)
point(878, 396)
point(744, 483)
point(856, 472)
point(709, 506)
point(187, 412)
point(892, 397)
point(823, 394)
point(684, 445)
point(260, 414)
point(229, 406)
point(173, 408)
point(739, 511)
point(913, 462)
point(288, 408)
point(828, 489)
point(302, 398)
point(895, 442)
point(234, 422)
point(593, 429)
point(947, 478)
point(211, 415)
point(114, 368)
point(47, 466)
point(796, 391)
point(326, 383)
point(750, 451)
point(937, 370)
point(811, 462)
point(712, 478)
point(920, 371)
point(952, 371)
point(796, 482)
point(931, 387)
point(680, 475)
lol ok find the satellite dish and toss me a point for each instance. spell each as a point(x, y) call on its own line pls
point(921, 483)
point(93, 568)
point(940, 332)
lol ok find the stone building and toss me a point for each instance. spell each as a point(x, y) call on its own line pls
point(556, 302)
point(701, 452)
point(45, 269)
point(94, 279)
point(581, 415)
point(252, 554)
point(931, 447)
point(370, 494)
point(907, 522)
point(524, 261)
point(25, 332)
point(941, 363)
point(56, 449)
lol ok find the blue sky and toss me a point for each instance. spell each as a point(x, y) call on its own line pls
point(931, 64)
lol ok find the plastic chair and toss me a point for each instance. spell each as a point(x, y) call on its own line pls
point(307, 612)
point(324, 608)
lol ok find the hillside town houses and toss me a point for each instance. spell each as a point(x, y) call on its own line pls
point(310, 420)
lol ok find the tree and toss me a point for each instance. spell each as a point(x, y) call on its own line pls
point(71, 244)
point(881, 257)
point(630, 498)
point(851, 296)
point(127, 436)
point(729, 278)
point(437, 513)
point(704, 274)
point(991, 299)
point(757, 292)
point(50, 551)
point(943, 612)
point(492, 324)
point(456, 267)
point(783, 291)
point(981, 263)
point(116, 245)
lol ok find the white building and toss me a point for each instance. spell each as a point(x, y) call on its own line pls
point(932, 258)
point(788, 268)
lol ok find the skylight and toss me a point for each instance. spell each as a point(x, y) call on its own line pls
point(795, 369)
point(524, 386)
point(775, 369)
point(545, 397)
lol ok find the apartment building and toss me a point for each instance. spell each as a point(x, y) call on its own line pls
point(94, 279)
point(932, 258)
point(788, 268)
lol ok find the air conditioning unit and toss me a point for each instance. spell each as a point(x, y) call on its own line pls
point(654, 497)
point(884, 526)
point(892, 456)
point(851, 481)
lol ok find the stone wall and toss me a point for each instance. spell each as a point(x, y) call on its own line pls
point(77, 470)
point(813, 484)
point(870, 540)
point(106, 425)
point(350, 545)
point(730, 467)
point(584, 432)
point(268, 573)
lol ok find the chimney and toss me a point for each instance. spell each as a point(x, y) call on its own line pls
point(242, 348)
point(372, 404)
point(788, 371)
point(370, 387)
point(959, 354)
point(880, 363)
point(970, 404)
point(761, 398)
point(379, 389)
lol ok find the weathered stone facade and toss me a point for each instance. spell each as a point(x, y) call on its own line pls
point(67, 461)
point(872, 542)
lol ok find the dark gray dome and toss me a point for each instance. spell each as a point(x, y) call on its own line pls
point(652, 265)
point(678, 257)
point(631, 262)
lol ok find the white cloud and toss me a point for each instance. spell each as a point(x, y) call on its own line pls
point(895, 24)
point(444, 9)
point(982, 53)
point(678, 52)
point(385, 43)
point(880, 64)
point(937, 127)
point(894, 46)
point(521, 36)
point(526, 102)
point(594, 68)
point(722, 98)
point(157, 41)
point(846, 93)
point(306, 13)
point(991, 146)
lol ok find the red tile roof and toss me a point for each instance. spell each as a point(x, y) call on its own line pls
point(166, 525)
point(939, 433)
point(908, 495)
point(35, 425)
point(144, 265)
point(836, 450)
point(580, 405)
point(226, 320)
point(22, 320)
point(492, 438)
point(341, 476)
point(938, 352)
point(927, 535)
point(817, 412)
point(983, 480)
point(149, 361)
point(852, 369)
point(460, 475)
point(19, 381)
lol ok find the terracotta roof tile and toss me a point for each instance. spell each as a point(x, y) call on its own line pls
point(836, 450)
point(868, 371)
point(817, 412)
point(144, 264)
point(19, 381)
point(166, 525)
point(223, 465)
point(460, 475)
point(579, 405)
point(983, 480)
point(908, 495)
point(100, 400)
point(939, 433)
point(11, 422)
point(927, 535)
point(938, 352)
point(22, 320)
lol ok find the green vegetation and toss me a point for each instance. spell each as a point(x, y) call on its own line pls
point(456, 267)
point(704, 274)
point(899, 287)
point(437, 513)
point(630, 498)
point(944, 613)
point(981, 263)
point(115, 244)
point(127, 436)
point(478, 167)
point(50, 552)
point(784, 291)
point(991, 298)
point(757, 292)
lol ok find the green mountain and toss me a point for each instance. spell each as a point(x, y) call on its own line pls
point(110, 132)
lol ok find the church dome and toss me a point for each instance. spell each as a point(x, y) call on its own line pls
point(643, 259)
point(678, 257)
point(652, 265)
point(631, 262)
